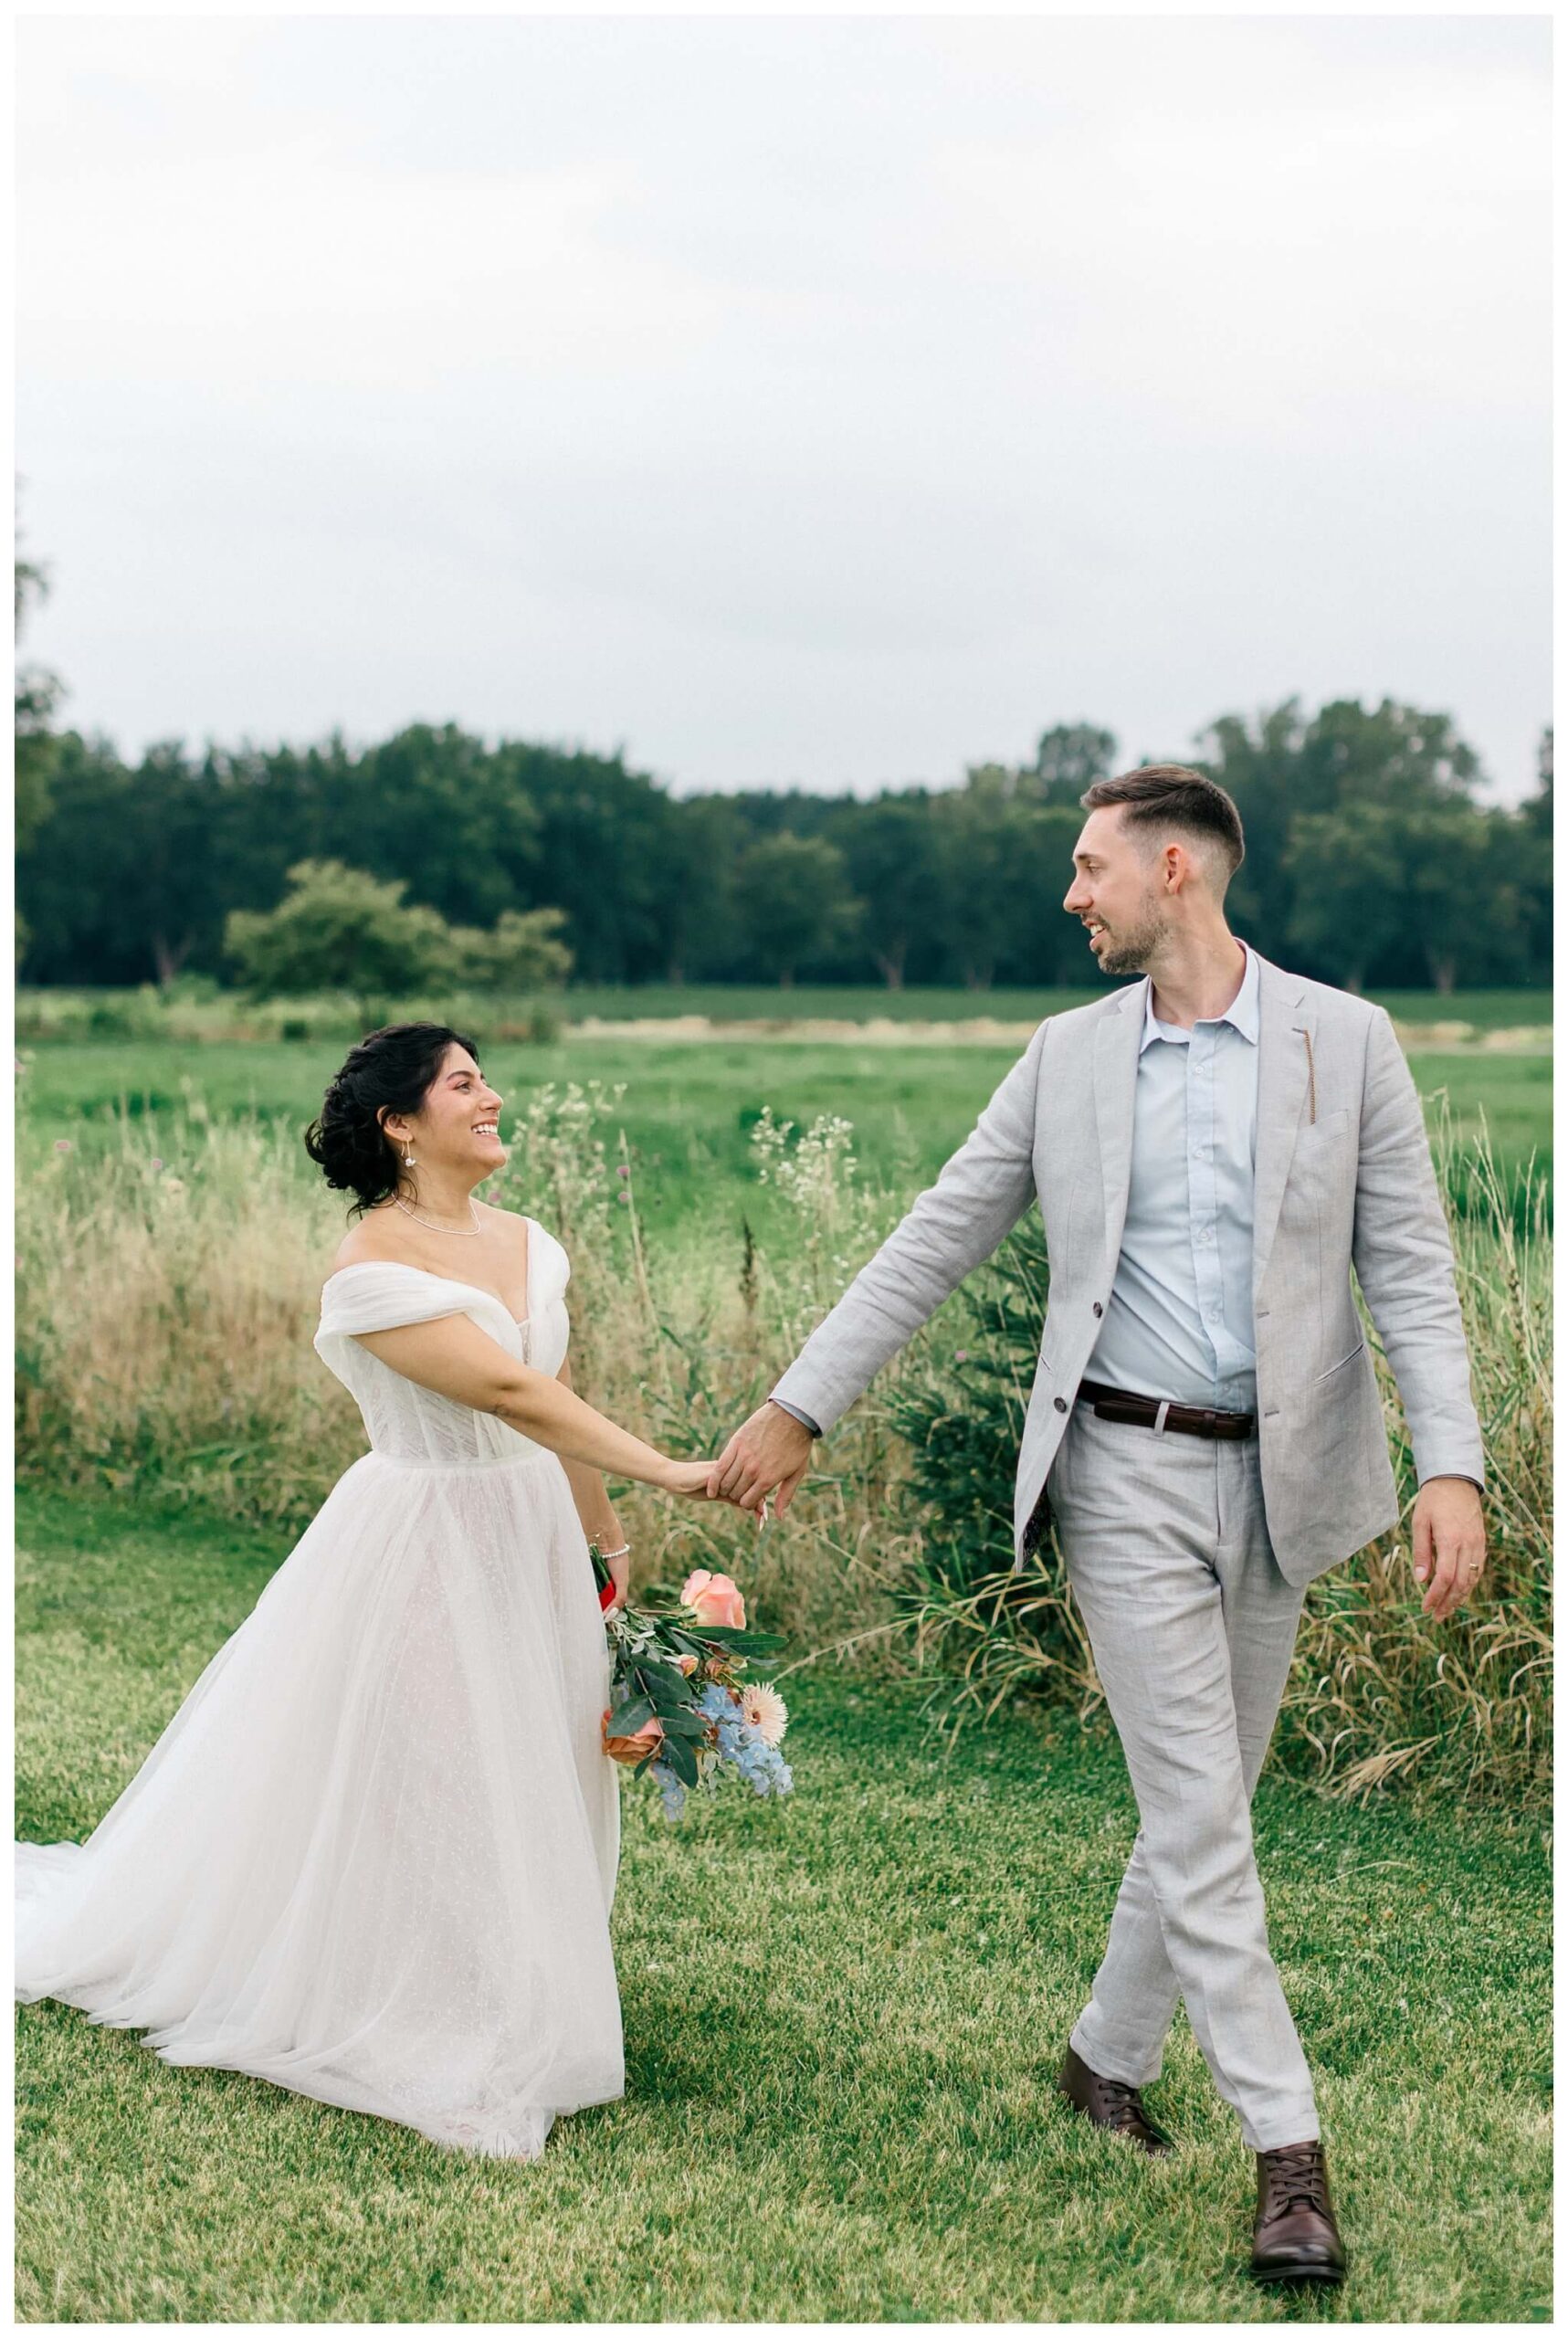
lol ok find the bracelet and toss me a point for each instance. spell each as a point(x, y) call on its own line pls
point(621, 1553)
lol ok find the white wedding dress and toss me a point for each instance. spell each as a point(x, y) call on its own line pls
point(372, 1856)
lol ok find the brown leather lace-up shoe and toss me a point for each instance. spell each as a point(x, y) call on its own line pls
point(1294, 2235)
point(1110, 2104)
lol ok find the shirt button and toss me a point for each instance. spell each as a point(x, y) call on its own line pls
point(1060, 1403)
point(1098, 1308)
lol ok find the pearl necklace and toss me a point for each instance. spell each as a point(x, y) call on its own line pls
point(430, 1221)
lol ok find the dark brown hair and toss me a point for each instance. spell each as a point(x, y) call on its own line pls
point(1173, 796)
point(393, 1069)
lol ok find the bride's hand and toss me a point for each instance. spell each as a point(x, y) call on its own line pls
point(689, 1478)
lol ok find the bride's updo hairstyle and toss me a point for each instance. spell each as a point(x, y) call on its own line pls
point(392, 1070)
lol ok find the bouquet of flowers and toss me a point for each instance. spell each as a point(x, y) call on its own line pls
point(680, 1707)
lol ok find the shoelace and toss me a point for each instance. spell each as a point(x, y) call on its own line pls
point(1123, 2102)
point(1296, 2180)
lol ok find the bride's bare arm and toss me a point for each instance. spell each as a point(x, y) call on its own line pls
point(457, 1359)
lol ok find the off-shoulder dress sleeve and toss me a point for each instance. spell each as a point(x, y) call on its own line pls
point(379, 1295)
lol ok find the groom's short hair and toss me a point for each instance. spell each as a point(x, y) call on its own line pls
point(1173, 795)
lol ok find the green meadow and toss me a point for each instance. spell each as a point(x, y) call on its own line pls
point(690, 1106)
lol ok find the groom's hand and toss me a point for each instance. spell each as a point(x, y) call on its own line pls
point(1448, 1544)
point(773, 1449)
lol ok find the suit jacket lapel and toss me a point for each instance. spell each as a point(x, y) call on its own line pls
point(1285, 1022)
point(1116, 1043)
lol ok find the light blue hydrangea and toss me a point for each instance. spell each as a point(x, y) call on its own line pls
point(672, 1793)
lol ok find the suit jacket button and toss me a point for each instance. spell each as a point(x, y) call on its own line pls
point(1098, 1308)
point(1060, 1403)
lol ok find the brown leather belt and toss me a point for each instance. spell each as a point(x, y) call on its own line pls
point(1144, 1412)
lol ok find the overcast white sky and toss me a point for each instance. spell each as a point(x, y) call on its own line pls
point(832, 400)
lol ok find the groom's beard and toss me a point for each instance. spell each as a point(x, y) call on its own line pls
point(1129, 950)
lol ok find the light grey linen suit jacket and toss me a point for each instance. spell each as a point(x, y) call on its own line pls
point(1343, 1177)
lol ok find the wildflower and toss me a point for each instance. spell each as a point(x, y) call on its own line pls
point(961, 1355)
point(64, 1144)
point(623, 1171)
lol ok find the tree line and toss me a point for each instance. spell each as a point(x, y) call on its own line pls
point(1370, 859)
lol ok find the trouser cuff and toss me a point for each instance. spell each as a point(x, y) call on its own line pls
point(1294, 2127)
point(1113, 2057)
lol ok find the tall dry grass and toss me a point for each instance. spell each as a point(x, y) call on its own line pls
point(166, 1298)
point(1378, 1690)
point(165, 1305)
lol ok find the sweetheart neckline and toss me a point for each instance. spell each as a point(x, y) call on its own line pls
point(521, 1322)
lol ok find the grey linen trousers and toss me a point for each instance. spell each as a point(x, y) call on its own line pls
point(1192, 1625)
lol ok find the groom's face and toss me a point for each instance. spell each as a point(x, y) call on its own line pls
point(1114, 892)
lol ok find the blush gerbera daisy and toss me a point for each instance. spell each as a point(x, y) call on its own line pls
point(765, 1710)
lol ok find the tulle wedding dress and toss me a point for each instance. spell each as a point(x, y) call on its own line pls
point(372, 1856)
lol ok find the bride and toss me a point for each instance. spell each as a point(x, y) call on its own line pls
point(372, 1856)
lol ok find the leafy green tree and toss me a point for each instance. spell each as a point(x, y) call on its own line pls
point(608, 848)
point(433, 805)
point(38, 693)
point(1467, 909)
point(1534, 865)
point(1394, 755)
point(341, 928)
point(1069, 760)
point(793, 903)
point(892, 867)
point(1286, 768)
point(1039, 942)
point(524, 951)
point(116, 882)
point(693, 849)
point(980, 831)
point(1434, 878)
point(1346, 870)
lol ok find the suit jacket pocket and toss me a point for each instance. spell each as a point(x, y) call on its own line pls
point(1324, 1129)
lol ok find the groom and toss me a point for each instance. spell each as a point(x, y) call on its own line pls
point(1213, 1149)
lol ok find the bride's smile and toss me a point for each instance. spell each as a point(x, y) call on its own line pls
point(456, 1134)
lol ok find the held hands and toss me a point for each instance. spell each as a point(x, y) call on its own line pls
point(1448, 1544)
point(772, 1449)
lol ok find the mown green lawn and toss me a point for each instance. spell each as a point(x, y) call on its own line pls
point(842, 2016)
point(1488, 1010)
point(1485, 1010)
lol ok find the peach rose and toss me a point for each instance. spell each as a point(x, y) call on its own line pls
point(714, 1599)
point(631, 1750)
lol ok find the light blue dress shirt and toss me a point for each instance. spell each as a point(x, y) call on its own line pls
point(1179, 1319)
